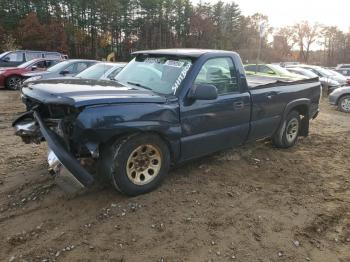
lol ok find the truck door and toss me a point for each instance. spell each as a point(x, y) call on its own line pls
point(212, 125)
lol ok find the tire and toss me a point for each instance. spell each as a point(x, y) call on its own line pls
point(13, 83)
point(344, 104)
point(288, 133)
point(135, 165)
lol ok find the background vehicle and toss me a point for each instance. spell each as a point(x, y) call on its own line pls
point(343, 66)
point(65, 68)
point(341, 98)
point(15, 58)
point(328, 85)
point(105, 71)
point(340, 76)
point(271, 70)
point(166, 107)
point(344, 71)
point(11, 77)
point(323, 72)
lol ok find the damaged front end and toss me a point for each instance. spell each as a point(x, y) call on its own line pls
point(63, 165)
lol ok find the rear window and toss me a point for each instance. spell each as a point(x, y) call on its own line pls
point(52, 55)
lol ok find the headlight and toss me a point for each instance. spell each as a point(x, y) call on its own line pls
point(34, 78)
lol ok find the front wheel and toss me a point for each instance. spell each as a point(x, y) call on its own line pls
point(344, 104)
point(288, 133)
point(13, 83)
point(137, 164)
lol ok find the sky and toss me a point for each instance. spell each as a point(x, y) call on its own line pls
point(288, 12)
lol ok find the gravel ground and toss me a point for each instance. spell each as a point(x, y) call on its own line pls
point(254, 203)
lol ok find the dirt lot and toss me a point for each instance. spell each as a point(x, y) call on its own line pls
point(255, 203)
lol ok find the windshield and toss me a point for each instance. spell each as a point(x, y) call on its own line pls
point(24, 65)
point(3, 54)
point(323, 72)
point(161, 74)
point(58, 67)
point(280, 70)
point(95, 71)
point(303, 72)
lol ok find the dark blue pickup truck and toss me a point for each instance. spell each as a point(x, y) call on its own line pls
point(165, 107)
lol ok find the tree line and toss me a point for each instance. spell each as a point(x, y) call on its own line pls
point(93, 29)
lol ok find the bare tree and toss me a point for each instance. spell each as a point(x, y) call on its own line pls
point(305, 35)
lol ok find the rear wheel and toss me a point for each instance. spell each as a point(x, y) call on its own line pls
point(13, 83)
point(136, 165)
point(288, 134)
point(344, 104)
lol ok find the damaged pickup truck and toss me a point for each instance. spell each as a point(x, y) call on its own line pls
point(164, 108)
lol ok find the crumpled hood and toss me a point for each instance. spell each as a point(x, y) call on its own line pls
point(84, 92)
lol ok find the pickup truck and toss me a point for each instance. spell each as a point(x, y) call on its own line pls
point(164, 108)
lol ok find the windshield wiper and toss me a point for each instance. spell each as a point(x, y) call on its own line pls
point(139, 85)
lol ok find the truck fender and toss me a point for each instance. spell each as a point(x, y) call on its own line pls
point(301, 105)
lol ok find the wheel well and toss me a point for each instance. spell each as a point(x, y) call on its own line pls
point(342, 97)
point(303, 111)
point(129, 134)
point(11, 76)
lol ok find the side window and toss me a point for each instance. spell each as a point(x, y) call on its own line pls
point(33, 55)
point(40, 65)
point(115, 72)
point(50, 63)
point(70, 68)
point(14, 57)
point(81, 66)
point(219, 72)
point(52, 55)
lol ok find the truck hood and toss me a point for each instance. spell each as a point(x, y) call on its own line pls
point(84, 92)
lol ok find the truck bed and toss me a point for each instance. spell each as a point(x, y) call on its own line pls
point(257, 82)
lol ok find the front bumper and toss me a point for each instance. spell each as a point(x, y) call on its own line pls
point(63, 165)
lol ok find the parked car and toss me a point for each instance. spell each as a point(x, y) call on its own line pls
point(18, 57)
point(327, 84)
point(345, 71)
point(271, 70)
point(340, 76)
point(63, 69)
point(341, 98)
point(323, 72)
point(103, 70)
point(166, 107)
point(11, 77)
point(342, 66)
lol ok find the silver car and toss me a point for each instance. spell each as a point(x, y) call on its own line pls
point(341, 98)
point(66, 68)
point(101, 71)
point(326, 82)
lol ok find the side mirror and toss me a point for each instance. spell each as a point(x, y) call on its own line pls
point(203, 92)
point(34, 68)
point(64, 72)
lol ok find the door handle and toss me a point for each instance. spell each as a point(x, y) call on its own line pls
point(239, 105)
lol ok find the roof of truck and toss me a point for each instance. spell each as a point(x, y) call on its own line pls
point(181, 52)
